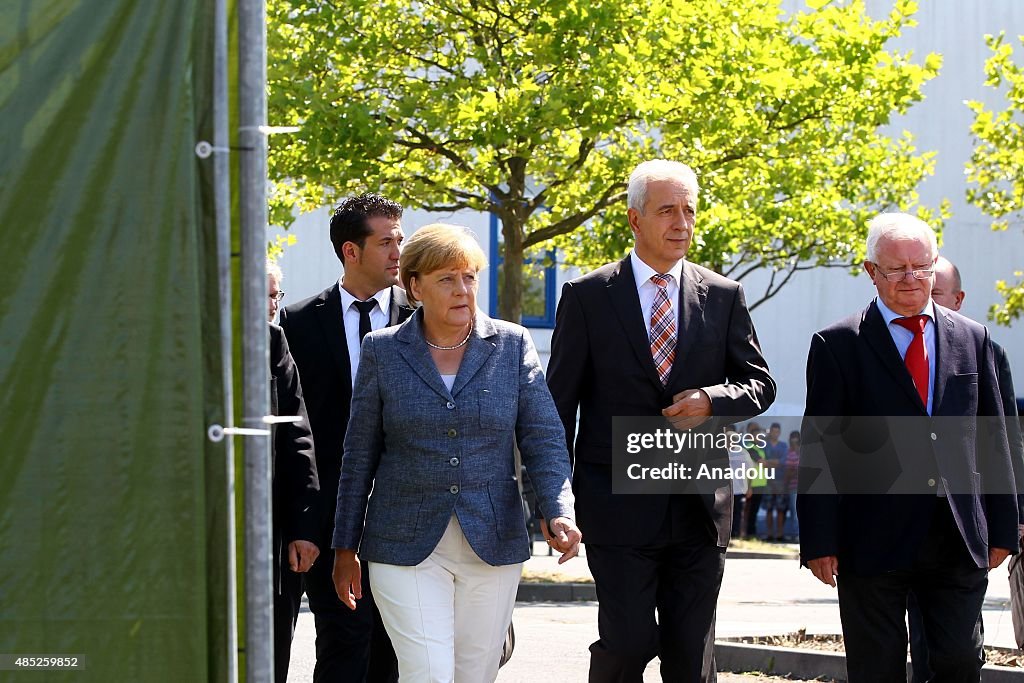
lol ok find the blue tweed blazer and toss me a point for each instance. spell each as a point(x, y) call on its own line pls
point(416, 453)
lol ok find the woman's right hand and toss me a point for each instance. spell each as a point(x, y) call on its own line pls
point(348, 577)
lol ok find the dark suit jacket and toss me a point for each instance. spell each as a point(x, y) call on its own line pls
point(1013, 430)
point(316, 335)
point(295, 482)
point(601, 364)
point(885, 441)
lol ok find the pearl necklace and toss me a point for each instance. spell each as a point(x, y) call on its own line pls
point(450, 348)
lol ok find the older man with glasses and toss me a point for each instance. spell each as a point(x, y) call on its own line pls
point(295, 484)
point(923, 499)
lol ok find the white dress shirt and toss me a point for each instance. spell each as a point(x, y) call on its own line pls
point(646, 289)
point(378, 318)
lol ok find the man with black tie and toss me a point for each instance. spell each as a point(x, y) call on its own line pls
point(898, 404)
point(653, 335)
point(324, 333)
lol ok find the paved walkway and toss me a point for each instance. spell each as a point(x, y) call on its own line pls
point(759, 596)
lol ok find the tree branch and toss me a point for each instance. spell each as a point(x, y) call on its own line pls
point(613, 194)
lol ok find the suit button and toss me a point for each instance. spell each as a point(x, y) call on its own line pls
point(454, 462)
point(452, 433)
point(454, 489)
point(934, 436)
point(931, 482)
point(450, 405)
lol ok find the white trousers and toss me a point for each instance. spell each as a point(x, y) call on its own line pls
point(448, 615)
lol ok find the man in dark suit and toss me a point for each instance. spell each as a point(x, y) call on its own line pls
point(295, 487)
point(295, 484)
point(904, 417)
point(324, 333)
point(653, 335)
point(947, 291)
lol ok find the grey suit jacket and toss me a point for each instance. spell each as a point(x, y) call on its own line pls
point(416, 453)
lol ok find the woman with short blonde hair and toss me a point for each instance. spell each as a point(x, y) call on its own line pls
point(428, 496)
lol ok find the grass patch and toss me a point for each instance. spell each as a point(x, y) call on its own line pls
point(542, 576)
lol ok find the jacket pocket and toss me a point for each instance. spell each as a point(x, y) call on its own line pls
point(507, 508)
point(393, 515)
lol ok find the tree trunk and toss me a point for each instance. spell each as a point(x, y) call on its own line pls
point(510, 299)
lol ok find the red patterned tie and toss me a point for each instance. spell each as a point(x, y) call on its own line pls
point(916, 359)
point(663, 328)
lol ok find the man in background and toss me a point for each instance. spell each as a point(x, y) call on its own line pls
point(294, 485)
point(324, 333)
point(948, 291)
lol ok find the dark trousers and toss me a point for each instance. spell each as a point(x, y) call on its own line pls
point(919, 644)
point(750, 512)
point(351, 646)
point(737, 514)
point(286, 613)
point(679, 578)
point(949, 589)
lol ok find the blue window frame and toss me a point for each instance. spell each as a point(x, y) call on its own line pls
point(539, 286)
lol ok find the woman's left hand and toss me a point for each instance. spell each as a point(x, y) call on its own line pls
point(564, 537)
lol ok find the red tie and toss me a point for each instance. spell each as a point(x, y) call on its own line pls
point(916, 359)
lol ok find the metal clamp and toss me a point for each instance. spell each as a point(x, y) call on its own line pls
point(216, 433)
point(204, 149)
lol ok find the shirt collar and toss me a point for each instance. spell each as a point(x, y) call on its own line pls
point(383, 298)
point(642, 272)
point(889, 315)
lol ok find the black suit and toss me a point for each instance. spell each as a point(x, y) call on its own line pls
point(888, 544)
point(295, 487)
point(315, 329)
point(915, 622)
point(647, 551)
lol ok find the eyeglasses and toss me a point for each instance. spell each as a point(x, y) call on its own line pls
point(899, 275)
point(276, 296)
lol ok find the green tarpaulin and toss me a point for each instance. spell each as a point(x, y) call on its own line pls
point(112, 506)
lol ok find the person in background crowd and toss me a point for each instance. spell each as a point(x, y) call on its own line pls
point(776, 502)
point(792, 471)
point(758, 484)
point(440, 405)
point(739, 463)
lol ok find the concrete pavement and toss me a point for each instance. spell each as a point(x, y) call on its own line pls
point(759, 597)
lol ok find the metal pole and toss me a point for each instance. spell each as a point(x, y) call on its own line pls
point(222, 217)
point(252, 115)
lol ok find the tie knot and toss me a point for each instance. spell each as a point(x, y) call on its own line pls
point(661, 280)
point(914, 323)
point(365, 306)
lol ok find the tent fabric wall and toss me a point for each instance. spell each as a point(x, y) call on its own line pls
point(112, 509)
